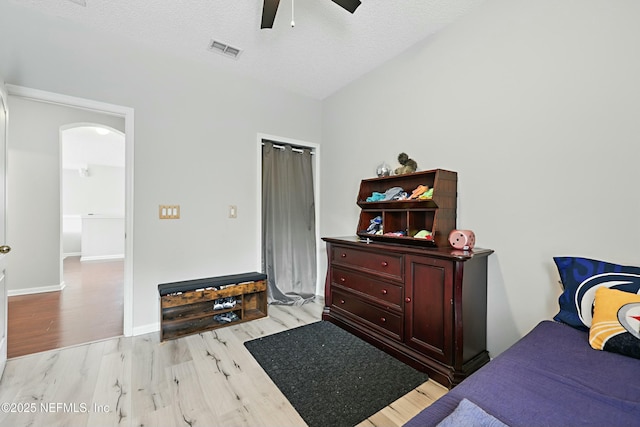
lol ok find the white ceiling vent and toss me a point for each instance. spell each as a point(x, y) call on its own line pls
point(224, 49)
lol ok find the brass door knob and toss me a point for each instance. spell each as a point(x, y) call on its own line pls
point(4, 249)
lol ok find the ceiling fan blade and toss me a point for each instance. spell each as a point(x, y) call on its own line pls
point(350, 5)
point(269, 10)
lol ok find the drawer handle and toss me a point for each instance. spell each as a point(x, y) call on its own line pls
point(343, 255)
point(384, 292)
point(384, 263)
point(383, 320)
point(341, 301)
point(342, 279)
point(407, 299)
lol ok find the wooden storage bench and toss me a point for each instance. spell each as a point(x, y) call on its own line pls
point(188, 307)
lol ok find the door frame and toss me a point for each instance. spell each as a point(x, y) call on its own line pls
point(128, 114)
point(4, 299)
point(320, 255)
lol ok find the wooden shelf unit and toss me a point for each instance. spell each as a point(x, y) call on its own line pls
point(437, 215)
point(188, 307)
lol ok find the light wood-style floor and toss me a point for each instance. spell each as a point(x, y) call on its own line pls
point(207, 379)
point(89, 308)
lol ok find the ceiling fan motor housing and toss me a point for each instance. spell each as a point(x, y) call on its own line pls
point(270, 7)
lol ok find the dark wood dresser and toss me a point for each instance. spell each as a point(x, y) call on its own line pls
point(426, 306)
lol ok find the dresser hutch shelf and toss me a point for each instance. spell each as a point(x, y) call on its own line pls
point(418, 299)
point(436, 215)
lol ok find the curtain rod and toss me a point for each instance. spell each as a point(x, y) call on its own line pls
point(294, 149)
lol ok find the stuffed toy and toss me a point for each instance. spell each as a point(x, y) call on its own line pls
point(408, 165)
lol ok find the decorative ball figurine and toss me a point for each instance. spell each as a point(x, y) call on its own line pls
point(383, 170)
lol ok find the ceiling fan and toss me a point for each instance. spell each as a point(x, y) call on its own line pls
point(270, 8)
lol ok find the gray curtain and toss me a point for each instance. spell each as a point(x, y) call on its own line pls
point(288, 225)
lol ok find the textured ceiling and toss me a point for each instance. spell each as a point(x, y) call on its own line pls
point(327, 48)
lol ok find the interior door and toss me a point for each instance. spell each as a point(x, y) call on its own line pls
point(4, 249)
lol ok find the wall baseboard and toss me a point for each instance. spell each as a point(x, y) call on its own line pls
point(146, 329)
point(38, 290)
point(101, 257)
point(65, 255)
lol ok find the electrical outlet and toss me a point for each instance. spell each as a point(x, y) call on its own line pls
point(169, 211)
point(233, 211)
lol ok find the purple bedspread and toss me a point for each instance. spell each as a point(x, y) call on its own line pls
point(551, 377)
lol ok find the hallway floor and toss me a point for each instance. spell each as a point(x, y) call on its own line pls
point(89, 308)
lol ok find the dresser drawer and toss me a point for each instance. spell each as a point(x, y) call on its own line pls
point(385, 293)
point(386, 322)
point(386, 264)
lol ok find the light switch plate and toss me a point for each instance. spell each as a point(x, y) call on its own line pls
point(169, 211)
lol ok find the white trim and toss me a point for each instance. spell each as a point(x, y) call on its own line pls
point(38, 290)
point(146, 329)
point(65, 100)
point(101, 258)
point(68, 254)
point(316, 183)
point(54, 350)
point(4, 297)
point(128, 114)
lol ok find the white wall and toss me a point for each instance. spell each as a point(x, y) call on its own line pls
point(102, 192)
point(195, 142)
point(33, 181)
point(535, 105)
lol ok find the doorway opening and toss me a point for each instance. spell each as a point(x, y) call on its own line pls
point(124, 257)
point(291, 292)
point(92, 187)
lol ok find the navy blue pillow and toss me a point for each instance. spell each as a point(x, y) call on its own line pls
point(580, 279)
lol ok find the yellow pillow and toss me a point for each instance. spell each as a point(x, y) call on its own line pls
point(616, 322)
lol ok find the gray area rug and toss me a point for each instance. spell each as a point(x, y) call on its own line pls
point(331, 377)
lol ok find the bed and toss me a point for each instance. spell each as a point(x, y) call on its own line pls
point(551, 377)
point(554, 376)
